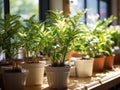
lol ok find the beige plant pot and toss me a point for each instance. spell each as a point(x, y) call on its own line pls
point(57, 77)
point(84, 68)
point(36, 73)
point(15, 80)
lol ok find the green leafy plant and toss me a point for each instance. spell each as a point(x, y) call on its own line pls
point(83, 41)
point(9, 28)
point(63, 31)
point(33, 38)
point(115, 35)
point(9, 40)
point(101, 42)
point(95, 40)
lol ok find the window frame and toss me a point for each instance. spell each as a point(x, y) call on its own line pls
point(44, 6)
point(108, 2)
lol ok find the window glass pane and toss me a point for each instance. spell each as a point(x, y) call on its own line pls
point(76, 5)
point(1, 9)
point(92, 6)
point(1, 16)
point(25, 8)
point(103, 10)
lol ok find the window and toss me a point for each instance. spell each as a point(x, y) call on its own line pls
point(103, 10)
point(24, 8)
point(76, 5)
point(93, 11)
point(1, 9)
point(95, 7)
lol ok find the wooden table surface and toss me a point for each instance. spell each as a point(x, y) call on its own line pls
point(96, 82)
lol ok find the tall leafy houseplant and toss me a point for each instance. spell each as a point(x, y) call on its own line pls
point(83, 42)
point(84, 64)
point(10, 44)
point(33, 37)
point(9, 40)
point(63, 31)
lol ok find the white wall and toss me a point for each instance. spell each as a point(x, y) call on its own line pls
point(56, 5)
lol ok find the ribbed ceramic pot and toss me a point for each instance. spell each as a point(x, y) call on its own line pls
point(58, 77)
point(36, 73)
point(15, 80)
point(84, 68)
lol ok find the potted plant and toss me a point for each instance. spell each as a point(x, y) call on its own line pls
point(14, 77)
point(84, 65)
point(99, 42)
point(109, 59)
point(116, 45)
point(32, 37)
point(63, 31)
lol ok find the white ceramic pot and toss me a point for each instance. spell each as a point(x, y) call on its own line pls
point(84, 68)
point(15, 80)
point(58, 77)
point(36, 73)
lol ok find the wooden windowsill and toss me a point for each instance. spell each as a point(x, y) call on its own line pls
point(98, 81)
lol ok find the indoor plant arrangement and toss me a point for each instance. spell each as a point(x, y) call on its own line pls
point(94, 42)
point(99, 42)
point(63, 31)
point(9, 28)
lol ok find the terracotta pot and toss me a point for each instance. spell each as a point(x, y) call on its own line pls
point(109, 62)
point(98, 65)
point(117, 57)
point(73, 54)
point(57, 77)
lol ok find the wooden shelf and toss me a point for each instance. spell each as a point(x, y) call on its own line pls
point(99, 81)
